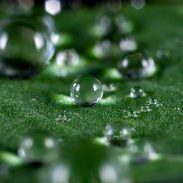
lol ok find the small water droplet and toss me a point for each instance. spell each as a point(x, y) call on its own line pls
point(38, 146)
point(137, 92)
point(86, 91)
point(137, 66)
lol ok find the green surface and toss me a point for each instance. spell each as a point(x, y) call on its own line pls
point(33, 104)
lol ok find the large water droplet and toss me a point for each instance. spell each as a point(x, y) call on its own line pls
point(86, 91)
point(25, 49)
point(38, 146)
point(136, 66)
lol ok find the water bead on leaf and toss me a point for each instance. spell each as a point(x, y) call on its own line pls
point(38, 146)
point(136, 65)
point(25, 49)
point(86, 91)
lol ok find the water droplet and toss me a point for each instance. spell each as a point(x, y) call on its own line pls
point(102, 49)
point(124, 25)
point(128, 44)
point(56, 173)
point(111, 172)
point(163, 54)
point(138, 4)
point(136, 66)
point(38, 146)
point(53, 7)
point(67, 57)
point(137, 92)
point(114, 5)
point(109, 88)
point(142, 152)
point(117, 135)
point(27, 53)
point(103, 26)
point(86, 91)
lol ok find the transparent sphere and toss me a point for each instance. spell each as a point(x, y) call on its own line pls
point(25, 48)
point(86, 91)
point(38, 146)
point(137, 66)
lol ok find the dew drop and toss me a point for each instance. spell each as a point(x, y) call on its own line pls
point(86, 91)
point(136, 66)
point(38, 146)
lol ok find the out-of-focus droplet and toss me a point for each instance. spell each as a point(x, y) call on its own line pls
point(102, 49)
point(138, 4)
point(124, 25)
point(110, 87)
point(114, 5)
point(137, 66)
point(137, 92)
point(128, 44)
point(53, 7)
point(38, 146)
point(67, 57)
point(142, 152)
point(26, 5)
point(117, 135)
point(163, 54)
point(27, 53)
